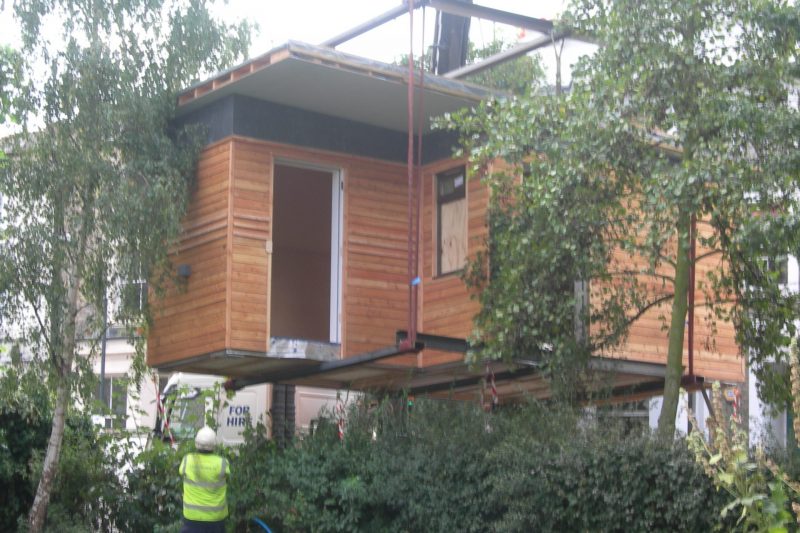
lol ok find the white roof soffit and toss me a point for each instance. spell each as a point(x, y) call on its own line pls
point(334, 83)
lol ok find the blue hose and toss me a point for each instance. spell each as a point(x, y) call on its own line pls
point(262, 524)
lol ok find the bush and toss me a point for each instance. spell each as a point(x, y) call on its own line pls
point(602, 482)
point(87, 491)
point(153, 501)
point(21, 434)
point(446, 466)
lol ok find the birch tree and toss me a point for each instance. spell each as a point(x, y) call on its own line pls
point(96, 183)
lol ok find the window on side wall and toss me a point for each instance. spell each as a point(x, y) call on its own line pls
point(779, 267)
point(112, 392)
point(451, 216)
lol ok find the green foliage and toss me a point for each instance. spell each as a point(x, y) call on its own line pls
point(755, 486)
point(683, 113)
point(10, 82)
point(95, 185)
point(24, 426)
point(448, 466)
point(442, 466)
point(602, 482)
point(154, 488)
point(88, 494)
point(520, 76)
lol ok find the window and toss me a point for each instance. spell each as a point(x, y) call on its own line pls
point(779, 267)
point(136, 294)
point(451, 215)
point(112, 394)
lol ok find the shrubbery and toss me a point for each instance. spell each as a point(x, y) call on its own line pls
point(450, 467)
point(436, 466)
point(88, 493)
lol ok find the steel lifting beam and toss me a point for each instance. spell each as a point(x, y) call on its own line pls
point(471, 381)
point(435, 342)
point(370, 24)
point(506, 55)
point(454, 7)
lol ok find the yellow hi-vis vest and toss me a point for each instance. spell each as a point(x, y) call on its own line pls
point(204, 487)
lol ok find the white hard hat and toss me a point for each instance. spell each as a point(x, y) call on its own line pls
point(205, 439)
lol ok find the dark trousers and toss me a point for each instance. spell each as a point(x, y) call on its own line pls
point(193, 526)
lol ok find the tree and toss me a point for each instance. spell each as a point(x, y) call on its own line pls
point(96, 183)
point(681, 120)
point(520, 76)
point(10, 81)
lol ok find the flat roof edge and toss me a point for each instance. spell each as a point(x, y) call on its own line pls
point(331, 58)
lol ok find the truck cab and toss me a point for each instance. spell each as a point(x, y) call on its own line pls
point(189, 400)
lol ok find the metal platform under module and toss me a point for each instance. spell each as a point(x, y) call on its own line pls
point(402, 367)
point(283, 354)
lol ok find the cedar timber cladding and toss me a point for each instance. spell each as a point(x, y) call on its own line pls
point(376, 255)
point(233, 220)
point(314, 108)
point(226, 229)
point(193, 321)
point(446, 305)
point(250, 232)
point(716, 354)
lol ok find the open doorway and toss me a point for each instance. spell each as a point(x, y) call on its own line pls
point(305, 253)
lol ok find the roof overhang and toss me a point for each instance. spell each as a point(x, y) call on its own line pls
point(323, 80)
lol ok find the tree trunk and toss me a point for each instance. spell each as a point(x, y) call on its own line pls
point(38, 510)
point(674, 371)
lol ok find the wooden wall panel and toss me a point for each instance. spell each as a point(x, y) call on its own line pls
point(250, 235)
point(190, 320)
point(716, 354)
point(374, 293)
point(228, 235)
point(230, 245)
point(446, 306)
point(376, 260)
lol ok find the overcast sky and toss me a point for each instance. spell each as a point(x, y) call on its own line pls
point(314, 21)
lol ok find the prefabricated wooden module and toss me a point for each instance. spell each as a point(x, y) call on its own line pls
point(297, 239)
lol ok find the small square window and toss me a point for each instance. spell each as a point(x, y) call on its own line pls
point(451, 215)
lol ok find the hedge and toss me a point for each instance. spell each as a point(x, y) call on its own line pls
point(450, 467)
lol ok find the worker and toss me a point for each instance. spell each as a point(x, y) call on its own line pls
point(205, 504)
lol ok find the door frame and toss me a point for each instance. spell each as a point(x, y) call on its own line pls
point(337, 238)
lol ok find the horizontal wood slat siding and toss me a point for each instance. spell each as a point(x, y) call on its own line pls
point(190, 320)
point(251, 230)
point(376, 255)
point(228, 229)
point(235, 216)
point(446, 306)
point(374, 297)
point(716, 354)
